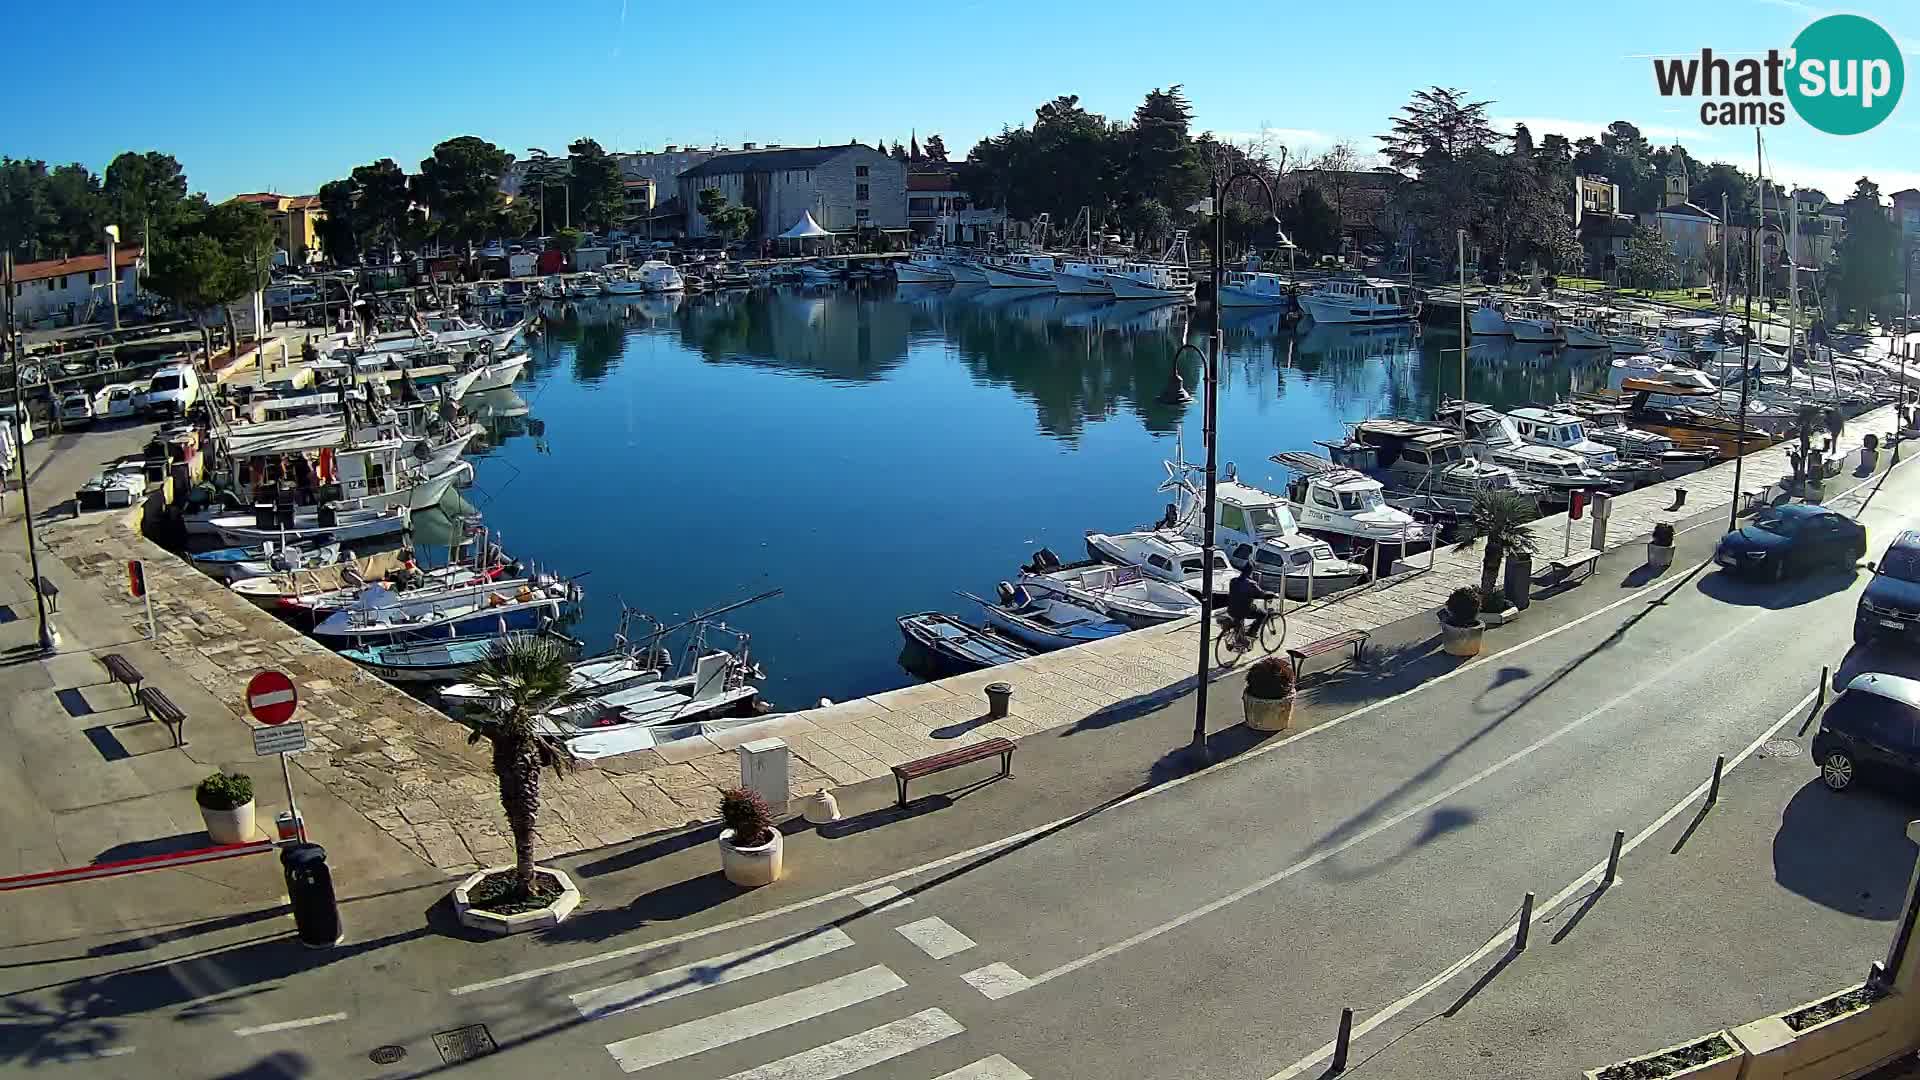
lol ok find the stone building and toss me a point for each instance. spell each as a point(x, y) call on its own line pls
point(844, 187)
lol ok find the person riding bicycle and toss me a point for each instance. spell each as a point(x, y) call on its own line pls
point(1242, 592)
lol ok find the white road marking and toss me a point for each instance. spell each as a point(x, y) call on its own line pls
point(997, 980)
point(872, 886)
point(717, 971)
point(1505, 936)
point(758, 1018)
point(289, 1025)
point(988, 1068)
point(1667, 671)
point(936, 937)
point(884, 895)
point(856, 1052)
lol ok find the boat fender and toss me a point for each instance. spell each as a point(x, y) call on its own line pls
point(1006, 592)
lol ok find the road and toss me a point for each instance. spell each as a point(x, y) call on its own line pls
point(1210, 927)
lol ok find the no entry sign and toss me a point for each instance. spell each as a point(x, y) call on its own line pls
point(271, 697)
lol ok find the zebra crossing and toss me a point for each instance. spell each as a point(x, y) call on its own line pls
point(815, 991)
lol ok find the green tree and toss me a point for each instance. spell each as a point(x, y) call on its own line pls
point(936, 150)
point(1869, 270)
point(523, 677)
point(546, 182)
point(339, 222)
point(599, 193)
point(76, 213)
point(1448, 141)
point(145, 192)
point(193, 272)
point(1499, 520)
point(1720, 179)
point(732, 222)
point(1160, 161)
point(24, 213)
point(1311, 222)
point(382, 204)
point(565, 241)
point(460, 184)
point(1650, 263)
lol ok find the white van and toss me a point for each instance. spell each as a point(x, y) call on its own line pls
point(174, 389)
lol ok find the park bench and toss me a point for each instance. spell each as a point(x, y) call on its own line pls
point(160, 708)
point(121, 670)
point(1563, 568)
point(1356, 638)
point(49, 590)
point(980, 751)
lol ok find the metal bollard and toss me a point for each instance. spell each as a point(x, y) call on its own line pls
point(1341, 1042)
point(1713, 790)
point(1819, 702)
point(1679, 499)
point(1613, 859)
point(1309, 599)
point(1526, 924)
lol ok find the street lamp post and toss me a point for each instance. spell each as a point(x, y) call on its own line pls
point(1210, 435)
point(113, 271)
point(49, 636)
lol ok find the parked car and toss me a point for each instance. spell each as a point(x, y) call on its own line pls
point(1890, 608)
point(1871, 731)
point(174, 389)
point(76, 408)
point(1792, 539)
point(114, 402)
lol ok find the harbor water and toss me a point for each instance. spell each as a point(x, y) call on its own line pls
point(872, 450)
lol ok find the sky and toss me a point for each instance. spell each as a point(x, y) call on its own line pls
point(251, 97)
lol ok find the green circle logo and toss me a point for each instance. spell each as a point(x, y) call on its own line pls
point(1846, 74)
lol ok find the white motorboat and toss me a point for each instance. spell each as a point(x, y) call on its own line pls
point(963, 269)
point(1488, 319)
point(815, 273)
point(1120, 592)
point(304, 526)
point(580, 286)
point(618, 721)
point(1257, 526)
point(923, 268)
point(1328, 500)
point(449, 332)
point(1046, 623)
point(1162, 554)
point(1086, 275)
point(622, 280)
point(326, 591)
point(553, 287)
point(1581, 329)
point(1255, 289)
point(660, 277)
point(1490, 436)
point(1533, 323)
point(1020, 270)
point(1608, 424)
point(1358, 300)
point(380, 614)
point(596, 675)
point(245, 563)
point(1564, 431)
point(1167, 279)
point(491, 375)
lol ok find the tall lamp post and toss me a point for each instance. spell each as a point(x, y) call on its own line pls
point(1210, 434)
point(49, 636)
point(113, 271)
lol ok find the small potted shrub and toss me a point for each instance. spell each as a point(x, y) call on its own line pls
point(1660, 548)
point(1870, 452)
point(750, 847)
point(226, 806)
point(1460, 625)
point(1269, 695)
point(1496, 609)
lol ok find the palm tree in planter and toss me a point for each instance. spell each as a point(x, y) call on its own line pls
point(522, 676)
point(1500, 520)
point(1806, 424)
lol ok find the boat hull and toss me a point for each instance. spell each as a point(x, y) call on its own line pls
point(1339, 313)
point(1128, 289)
point(955, 647)
point(1001, 277)
point(909, 274)
point(1040, 638)
point(497, 375)
point(1488, 322)
point(966, 273)
point(1067, 284)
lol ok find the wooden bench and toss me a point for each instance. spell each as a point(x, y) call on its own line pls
point(1563, 568)
point(1355, 638)
point(121, 670)
point(161, 708)
point(49, 590)
point(964, 755)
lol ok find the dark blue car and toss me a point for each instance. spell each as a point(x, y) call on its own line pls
point(1890, 607)
point(1784, 540)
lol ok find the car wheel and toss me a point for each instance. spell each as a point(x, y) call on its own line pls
point(1836, 770)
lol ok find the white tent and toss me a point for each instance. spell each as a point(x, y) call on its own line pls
point(805, 229)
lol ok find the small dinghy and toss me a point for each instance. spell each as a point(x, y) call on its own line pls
point(1046, 624)
point(1121, 592)
point(430, 661)
point(244, 563)
point(596, 675)
point(956, 646)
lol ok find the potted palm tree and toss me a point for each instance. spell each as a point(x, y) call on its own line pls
point(1460, 625)
point(1268, 699)
point(522, 677)
point(1660, 547)
point(1499, 519)
point(226, 806)
point(751, 849)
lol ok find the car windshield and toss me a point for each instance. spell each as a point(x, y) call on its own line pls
point(165, 382)
point(1902, 563)
point(1778, 524)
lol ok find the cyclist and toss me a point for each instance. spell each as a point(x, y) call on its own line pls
point(1242, 592)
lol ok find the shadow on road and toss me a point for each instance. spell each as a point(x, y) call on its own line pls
point(1730, 589)
point(1846, 851)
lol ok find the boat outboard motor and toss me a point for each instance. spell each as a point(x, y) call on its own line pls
point(1006, 592)
point(1169, 519)
point(1046, 559)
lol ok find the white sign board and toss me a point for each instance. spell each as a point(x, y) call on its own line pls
point(284, 739)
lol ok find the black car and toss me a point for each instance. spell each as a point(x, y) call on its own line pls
point(1792, 539)
point(1871, 730)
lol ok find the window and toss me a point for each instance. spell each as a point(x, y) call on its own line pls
point(1878, 720)
point(1416, 457)
point(1266, 519)
point(860, 193)
point(860, 170)
point(1271, 557)
point(1232, 517)
point(1159, 562)
point(1325, 498)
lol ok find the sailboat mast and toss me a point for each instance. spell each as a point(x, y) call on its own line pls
point(1460, 241)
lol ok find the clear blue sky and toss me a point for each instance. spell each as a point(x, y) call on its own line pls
point(285, 97)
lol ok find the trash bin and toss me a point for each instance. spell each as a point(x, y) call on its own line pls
point(316, 914)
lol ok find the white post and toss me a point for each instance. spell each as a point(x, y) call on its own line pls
point(147, 595)
point(1309, 599)
point(299, 824)
point(1566, 549)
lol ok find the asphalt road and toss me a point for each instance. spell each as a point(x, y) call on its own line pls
point(1211, 927)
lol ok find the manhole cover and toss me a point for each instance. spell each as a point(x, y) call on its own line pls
point(1781, 748)
point(464, 1043)
point(387, 1055)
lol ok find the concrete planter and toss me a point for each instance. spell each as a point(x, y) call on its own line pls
point(1268, 714)
point(1845, 1045)
point(233, 826)
point(751, 867)
point(501, 924)
point(1658, 557)
point(1461, 640)
point(1721, 1068)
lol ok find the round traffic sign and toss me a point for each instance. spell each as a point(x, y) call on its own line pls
point(271, 697)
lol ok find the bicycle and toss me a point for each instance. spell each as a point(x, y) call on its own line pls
point(1234, 642)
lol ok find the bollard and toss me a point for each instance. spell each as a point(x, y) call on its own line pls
point(1526, 924)
point(1376, 562)
point(999, 699)
point(1713, 790)
point(1613, 859)
point(1309, 599)
point(1679, 499)
point(1341, 1042)
point(1826, 677)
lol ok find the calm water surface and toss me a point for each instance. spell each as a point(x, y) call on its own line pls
point(873, 450)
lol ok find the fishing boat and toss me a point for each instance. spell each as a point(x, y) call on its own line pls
point(963, 269)
point(1045, 624)
point(1531, 322)
point(1346, 505)
point(380, 614)
point(444, 331)
point(323, 591)
point(1164, 554)
point(243, 563)
point(1152, 281)
point(1020, 270)
point(1488, 319)
point(1580, 329)
point(431, 661)
point(489, 374)
point(1358, 300)
point(1255, 289)
point(923, 268)
point(1119, 592)
point(955, 646)
point(1086, 275)
point(307, 526)
point(623, 721)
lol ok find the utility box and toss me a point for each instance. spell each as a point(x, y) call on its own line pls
point(1602, 505)
point(763, 770)
point(520, 264)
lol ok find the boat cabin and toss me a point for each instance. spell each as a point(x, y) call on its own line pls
point(1563, 431)
point(310, 454)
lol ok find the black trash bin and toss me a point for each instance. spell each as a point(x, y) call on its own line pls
point(316, 914)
